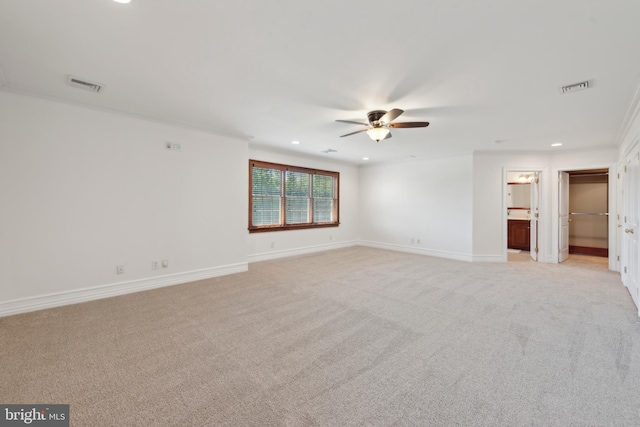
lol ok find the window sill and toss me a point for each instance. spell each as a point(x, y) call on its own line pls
point(291, 227)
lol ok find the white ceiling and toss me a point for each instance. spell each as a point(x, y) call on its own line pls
point(479, 71)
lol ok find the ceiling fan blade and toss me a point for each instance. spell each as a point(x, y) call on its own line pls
point(353, 133)
point(409, 125)
point(391, 115)
point(350, 121)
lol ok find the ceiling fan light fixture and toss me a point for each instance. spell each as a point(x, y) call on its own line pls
point(379, 123)
point(378, 134)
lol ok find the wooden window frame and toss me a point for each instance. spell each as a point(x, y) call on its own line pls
point(283, 199)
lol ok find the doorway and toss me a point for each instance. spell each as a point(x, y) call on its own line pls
point(522, 214)
point(583, 213)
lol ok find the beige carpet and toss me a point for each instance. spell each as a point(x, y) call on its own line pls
point(356, 336)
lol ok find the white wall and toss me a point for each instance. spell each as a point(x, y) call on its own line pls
point(489, 209)
point(425, 199)
point(85, 190)
point(276, 244)
point(489, 226)
point(587, 159)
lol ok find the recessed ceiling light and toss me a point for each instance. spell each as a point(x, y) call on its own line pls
point(556, 144)
point(365, 158)
point(122, 1)
point(295, 142)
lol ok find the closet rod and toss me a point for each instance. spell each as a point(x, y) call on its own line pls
point(589, 213)
point(589, 174)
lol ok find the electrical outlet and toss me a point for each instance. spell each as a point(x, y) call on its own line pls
point(412, 241)
point(330, 237)
point(273, 245)
point(165, 263)
point(172, 146)
point(155, 265)
point(120, 269)
point(418, 241)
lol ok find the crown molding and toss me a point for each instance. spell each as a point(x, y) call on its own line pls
point(632, 112)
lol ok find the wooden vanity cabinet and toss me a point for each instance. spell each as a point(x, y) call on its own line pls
point(518, 234)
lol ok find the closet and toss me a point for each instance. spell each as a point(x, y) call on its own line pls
point(588, 212)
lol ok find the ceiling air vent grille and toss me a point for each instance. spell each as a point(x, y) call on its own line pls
point(575, 87)
point(83, 84)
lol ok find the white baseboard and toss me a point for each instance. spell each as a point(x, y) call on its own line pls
point(41, 302)
point(265, 256)
point(416, 250)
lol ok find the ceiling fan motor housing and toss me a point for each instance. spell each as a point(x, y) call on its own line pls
point(374, 117)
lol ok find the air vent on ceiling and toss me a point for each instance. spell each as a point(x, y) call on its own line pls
point(83, 84)
point(575, 87)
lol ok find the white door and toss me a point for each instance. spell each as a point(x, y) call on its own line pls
point(563, 213)
point(619, 218)
point(631, 254)
point(533, 250)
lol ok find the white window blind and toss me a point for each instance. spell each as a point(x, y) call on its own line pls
point(285, 197)
point(266, 196)
point(298, 197)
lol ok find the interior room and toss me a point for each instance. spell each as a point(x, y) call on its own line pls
point(307, 213)
point(588, 208)
point(522, 214)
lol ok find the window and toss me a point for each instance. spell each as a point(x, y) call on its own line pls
point(283, 197)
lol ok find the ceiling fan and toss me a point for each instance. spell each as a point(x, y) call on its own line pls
point(379, 123)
